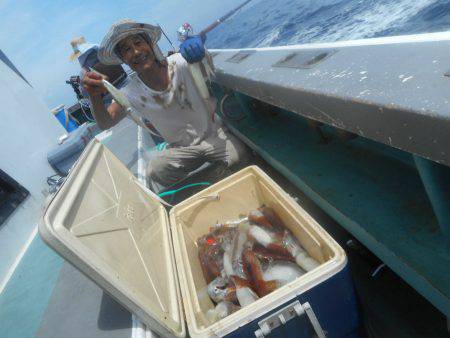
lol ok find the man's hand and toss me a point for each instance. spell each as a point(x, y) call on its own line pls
point(106, 117)
point(192, 49)
point(92, 82)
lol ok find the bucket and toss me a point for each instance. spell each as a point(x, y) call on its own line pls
point(66, 120)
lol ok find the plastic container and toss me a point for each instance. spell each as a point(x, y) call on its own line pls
point(112, 228)
point(65, 118)
point(62, 157)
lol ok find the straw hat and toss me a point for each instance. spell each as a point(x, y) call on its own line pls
point(121, 30)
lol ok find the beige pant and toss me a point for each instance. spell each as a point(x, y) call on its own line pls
point(173, 164)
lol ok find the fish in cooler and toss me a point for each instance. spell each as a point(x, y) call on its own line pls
point(221, 310)
point(249, 258)
point(254, 273)
point(244, 292)
point(283, 272)
point(222, 289)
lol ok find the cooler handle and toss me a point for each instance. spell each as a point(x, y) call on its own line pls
point(284, 315)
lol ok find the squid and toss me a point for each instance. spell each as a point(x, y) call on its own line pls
point(231, 255)
point(222, 310)
point(283, 243)
point(244, 292)
point(272, 217)
point(257, 217)
point(305, 261)
point(232, 258)
point(211, 261)
point(253, 270)
point(227, 262)
point(221, 289)
point(240, 244)
point(223, 234)
point(283, 272)
point(267, 255)
point(266, 217)
point(210, 255)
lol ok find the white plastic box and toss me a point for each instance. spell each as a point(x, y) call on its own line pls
point(115, 231)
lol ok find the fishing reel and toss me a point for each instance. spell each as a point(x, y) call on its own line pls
point(184, 32)
point(75, 83)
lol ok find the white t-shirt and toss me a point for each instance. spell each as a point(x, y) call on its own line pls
point(179, 113)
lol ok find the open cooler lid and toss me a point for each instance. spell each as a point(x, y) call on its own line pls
point(109, 227)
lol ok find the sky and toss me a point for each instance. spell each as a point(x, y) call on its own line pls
point(36, 35)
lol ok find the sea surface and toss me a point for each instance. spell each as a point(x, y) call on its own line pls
point(264, 23)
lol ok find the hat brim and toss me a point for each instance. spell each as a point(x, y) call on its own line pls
point(120, 31)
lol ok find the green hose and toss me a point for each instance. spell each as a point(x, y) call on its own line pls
point(171, 192)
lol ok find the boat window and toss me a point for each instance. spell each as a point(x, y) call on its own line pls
point(305, 59)
point(240, 56)
point(11, 195)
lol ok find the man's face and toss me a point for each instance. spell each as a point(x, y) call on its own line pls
point(137, 53)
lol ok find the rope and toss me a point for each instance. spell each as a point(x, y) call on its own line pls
point(229, 117)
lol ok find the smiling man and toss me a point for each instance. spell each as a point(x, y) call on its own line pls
point(162, 90)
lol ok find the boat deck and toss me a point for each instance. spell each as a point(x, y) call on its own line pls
point(48, 298)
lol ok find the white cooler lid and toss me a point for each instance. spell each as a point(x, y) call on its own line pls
point(109, 227)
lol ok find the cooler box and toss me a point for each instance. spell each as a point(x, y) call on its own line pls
point(113, 229)
point(62, 157)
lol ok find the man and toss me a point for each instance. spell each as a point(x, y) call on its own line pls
point(163, 91)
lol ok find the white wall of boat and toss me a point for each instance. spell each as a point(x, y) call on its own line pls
point(27, 132)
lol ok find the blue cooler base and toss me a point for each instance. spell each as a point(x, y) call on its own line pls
point(63, 156)
point(334, 303)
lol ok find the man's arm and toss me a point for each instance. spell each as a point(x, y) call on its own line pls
point(105, 117)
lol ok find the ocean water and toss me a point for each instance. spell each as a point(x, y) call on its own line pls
point(265, 23)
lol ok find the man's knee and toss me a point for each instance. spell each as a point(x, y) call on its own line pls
point(167, 168)
point(157, 167)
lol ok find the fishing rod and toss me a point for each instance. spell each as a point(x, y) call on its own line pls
point(184, 32)
point(186, 29)
point(165, 35)
point(223, 18)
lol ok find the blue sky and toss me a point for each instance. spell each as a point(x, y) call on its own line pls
point(36, 35)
